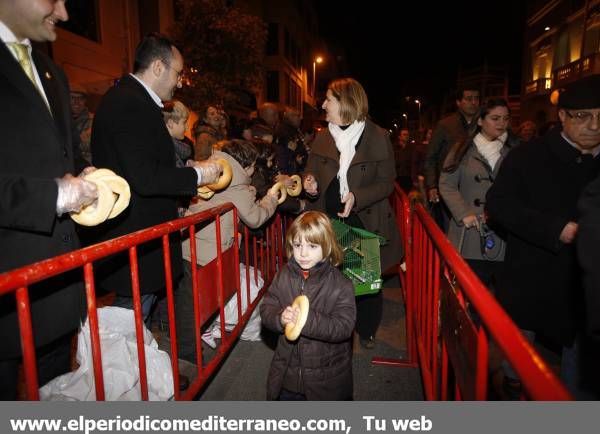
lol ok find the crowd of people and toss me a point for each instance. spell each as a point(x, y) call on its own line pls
point(508, 201)
point(138, 132)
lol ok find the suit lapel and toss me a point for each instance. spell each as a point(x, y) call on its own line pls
point(11, 69)
point(51, 89)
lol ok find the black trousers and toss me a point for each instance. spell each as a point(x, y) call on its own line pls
point(369, 309)
point(487, 271)
point(53, 359)
point(184, 316)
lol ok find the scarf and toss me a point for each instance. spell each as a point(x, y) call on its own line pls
point(345, 142)
point(490, 149)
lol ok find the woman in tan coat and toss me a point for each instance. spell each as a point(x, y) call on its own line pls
point(350, 175)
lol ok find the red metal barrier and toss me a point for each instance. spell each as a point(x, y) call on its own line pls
point(222, 274)
point(452, 350)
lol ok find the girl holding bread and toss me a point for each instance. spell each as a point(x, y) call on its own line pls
point(311, 303)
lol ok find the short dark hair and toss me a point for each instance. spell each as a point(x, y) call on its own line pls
point(153, 47)
point(243, 151)
point(460, 92)
point(491, 104)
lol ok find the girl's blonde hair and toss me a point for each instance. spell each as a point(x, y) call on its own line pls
point(314, 227)
point(175, 110)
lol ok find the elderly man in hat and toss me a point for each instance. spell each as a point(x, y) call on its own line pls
point(82, 120)
point(534, 199)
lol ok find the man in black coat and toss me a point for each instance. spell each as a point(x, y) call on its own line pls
point(130, 137)
point(588, 249)
point(38, 190)
point(534, 198)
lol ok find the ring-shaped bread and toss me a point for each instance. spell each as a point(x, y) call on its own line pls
point(279, 187)
point(292, 331)
point(107, 205)
point(121, 192)
point(225, 177)
point(205, 192)
point(297, 188)
point(98, 212)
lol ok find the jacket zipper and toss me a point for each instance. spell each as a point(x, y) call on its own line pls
point(300, 381)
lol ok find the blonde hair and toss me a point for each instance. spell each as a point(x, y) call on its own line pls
point(175, 110)
point(314, 227)
point(354, 104)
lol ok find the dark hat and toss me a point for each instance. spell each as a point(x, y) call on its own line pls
point(581, 94)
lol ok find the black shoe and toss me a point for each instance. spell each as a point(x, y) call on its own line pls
point(184, 382)
point(368, 343)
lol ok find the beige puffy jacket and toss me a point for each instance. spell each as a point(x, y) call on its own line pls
point(243, 196)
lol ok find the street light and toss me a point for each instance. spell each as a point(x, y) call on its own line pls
point(404, 115)
point(318, 59)
point(419, 104)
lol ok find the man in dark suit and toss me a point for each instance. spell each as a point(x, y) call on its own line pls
point(130, 138)
point(534, 198)
point(37, 188)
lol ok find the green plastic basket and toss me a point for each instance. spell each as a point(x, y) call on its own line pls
point(362, 262)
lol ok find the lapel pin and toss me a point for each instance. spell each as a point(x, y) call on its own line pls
point(48, 75)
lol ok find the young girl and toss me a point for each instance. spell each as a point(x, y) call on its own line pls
point(318, 365)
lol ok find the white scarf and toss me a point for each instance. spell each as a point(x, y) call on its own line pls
point(345, 141)
point(490, 149)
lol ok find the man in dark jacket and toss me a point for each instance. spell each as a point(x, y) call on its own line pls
point(588, 248)
point(534, 198)
point(130, 138)
point(450, 130)
point(38, 190)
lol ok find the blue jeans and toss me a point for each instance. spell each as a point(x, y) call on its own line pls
point(570, 367)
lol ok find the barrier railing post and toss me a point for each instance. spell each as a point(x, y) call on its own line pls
point(88, 273)
point(195, 296)
point(139, 320)
point(171, 314)
point(27, 347)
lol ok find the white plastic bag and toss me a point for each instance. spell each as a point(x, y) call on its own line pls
point(252, 330)
point(119, 364)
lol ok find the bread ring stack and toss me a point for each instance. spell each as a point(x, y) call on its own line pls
point(113, 198)
point(297, 188)
point(292, 331)
point(207, 191)
point(279, 189)
point(282, 191)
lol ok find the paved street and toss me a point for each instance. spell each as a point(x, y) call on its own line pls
point(243, 374)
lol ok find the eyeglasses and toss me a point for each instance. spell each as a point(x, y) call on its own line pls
point(471, 97)
point(179, 73)
point(583, 117)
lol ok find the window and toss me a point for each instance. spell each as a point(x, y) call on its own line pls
point(272, 85)
point(83, 19)
point(273, 39)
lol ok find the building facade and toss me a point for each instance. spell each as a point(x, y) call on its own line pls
point(562, 44)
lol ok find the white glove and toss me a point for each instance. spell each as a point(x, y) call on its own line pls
point(208, 171)
point(74, 193)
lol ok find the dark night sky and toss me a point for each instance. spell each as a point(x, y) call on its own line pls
point(399, 48)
